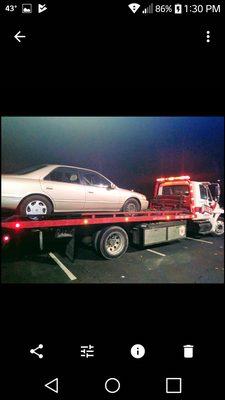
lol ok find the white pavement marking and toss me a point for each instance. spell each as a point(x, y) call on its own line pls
point(198, 240)
point(156, 252)
point(62, 266)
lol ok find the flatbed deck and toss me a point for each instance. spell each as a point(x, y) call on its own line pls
point(81, 219)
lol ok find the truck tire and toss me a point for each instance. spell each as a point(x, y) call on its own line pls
point(131, 205)
point(112, 242)
point(95, 241)
point(219, 228)
point(35, 207)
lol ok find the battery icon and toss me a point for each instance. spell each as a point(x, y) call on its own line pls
point(178, 8)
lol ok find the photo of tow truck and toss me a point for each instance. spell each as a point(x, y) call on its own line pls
point(66, 218)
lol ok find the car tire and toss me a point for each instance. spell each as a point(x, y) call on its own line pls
point(112, 242)
point(132, 205)
point(35, 207)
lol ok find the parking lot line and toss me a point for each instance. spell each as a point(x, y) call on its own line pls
point(199, 240)
point(62, 266)
point(156, 252)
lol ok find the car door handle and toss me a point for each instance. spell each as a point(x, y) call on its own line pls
point(90, 192)
point(49, 188)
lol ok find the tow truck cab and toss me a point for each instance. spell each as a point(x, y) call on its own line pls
point(201, 198)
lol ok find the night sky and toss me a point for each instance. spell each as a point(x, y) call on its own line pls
point(130, 151)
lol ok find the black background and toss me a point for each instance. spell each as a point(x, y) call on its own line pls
point(103, 44)
point(102, 65)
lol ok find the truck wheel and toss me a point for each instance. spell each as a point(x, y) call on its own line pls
point(131, 205)
point(112, 242)
point(35, 207)
point(219, 228)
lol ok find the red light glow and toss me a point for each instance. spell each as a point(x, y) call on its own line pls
point(17, 225)
point(161, 179)
point(174, 178)
point(6, 238)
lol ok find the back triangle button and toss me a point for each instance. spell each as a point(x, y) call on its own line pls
point(53, 385)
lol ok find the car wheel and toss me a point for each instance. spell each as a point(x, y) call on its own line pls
point(131, 205)
point(35, 207)
point(112, 242)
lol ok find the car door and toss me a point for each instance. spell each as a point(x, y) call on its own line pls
point(63, 186)
point(100, 195)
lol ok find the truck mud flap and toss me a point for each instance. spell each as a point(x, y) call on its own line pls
point(72, 246)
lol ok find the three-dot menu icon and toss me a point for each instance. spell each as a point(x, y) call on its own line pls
point(208, 36)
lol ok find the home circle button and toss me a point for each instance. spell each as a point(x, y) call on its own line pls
point(112, 385)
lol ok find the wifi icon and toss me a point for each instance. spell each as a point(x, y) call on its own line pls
point(134, 7)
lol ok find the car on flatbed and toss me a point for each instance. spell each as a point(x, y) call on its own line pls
point(48, 189)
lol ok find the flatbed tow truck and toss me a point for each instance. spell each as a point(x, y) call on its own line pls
point(178, 205)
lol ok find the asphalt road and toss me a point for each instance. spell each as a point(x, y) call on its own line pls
point(185, 261)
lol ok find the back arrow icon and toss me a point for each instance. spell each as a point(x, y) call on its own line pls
point(53, 385)
point(18, 36)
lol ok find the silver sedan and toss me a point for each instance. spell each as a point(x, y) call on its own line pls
point(48, 189)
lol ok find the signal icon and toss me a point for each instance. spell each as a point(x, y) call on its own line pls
point(148, 10)
point(134, 7)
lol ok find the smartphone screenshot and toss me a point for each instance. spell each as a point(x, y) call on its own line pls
point(112, 199)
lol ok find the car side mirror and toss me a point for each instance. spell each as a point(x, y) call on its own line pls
point(112, 186)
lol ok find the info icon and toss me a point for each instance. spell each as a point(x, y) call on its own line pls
point(137, 351)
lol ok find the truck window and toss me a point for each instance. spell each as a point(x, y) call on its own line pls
point(203, 192)
point(175, 190)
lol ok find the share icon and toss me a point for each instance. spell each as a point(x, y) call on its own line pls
point(33, 351)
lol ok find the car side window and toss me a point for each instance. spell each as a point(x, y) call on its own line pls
point(93, 179)
point(63, 174)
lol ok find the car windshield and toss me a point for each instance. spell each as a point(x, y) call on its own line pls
point(28, 169)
